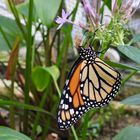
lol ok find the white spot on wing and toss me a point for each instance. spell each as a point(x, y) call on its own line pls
point(66, 106)
point(67, 96)
point(70, 99)
point(71, 111)
point(64, 91)
point(62, 101)
point(63, 106)
point(67, 81)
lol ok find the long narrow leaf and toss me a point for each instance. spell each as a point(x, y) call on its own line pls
point(122, 66)
point(22, 106)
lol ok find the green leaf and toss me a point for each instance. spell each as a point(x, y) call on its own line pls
point(132, 100)
point(3, 45)
point(53, 71)
point(21, 105)
point(119, 3)
point(122, 66)
point(41, 76)
point(108, 3)
point(11, 31)
point(23, 9)
point(129, 133)
point(10, 134)
point(11, 28)
point(131, 52)
point(46, 10)
point(136, 38)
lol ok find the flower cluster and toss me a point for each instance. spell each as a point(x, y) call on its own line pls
point(92, 10)
point(113, 31)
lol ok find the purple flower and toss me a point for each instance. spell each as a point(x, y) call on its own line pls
point(62, 20)
point(88, 8)
point(92, 11)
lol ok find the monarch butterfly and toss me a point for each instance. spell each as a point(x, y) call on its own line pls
point(90, 83)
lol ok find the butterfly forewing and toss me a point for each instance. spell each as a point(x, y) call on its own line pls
point(99, 83)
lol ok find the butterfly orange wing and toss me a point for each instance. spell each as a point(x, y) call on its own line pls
point(71, 104)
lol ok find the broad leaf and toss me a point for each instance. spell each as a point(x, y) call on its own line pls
point(53, 71)
point(131, 52)
point(23, 9)
point(10, 134)
point(136, 38)
point(3, 44)
point(41, 76)
point(132, 100)
point(46, 10)
point(11, 31)
point(11, 28)
point(129, 133)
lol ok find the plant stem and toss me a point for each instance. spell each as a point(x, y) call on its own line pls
point(129, 76)
point(74, 133)
point(12, 110)
point(17, 19)
point(28, 65)
point(37, 117)
point(46, 43)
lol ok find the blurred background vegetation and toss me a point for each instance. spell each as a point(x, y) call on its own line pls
point(35, 59)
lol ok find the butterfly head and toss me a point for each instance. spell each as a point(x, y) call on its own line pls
point(87, 54)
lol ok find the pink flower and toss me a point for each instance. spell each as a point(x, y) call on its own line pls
point(62, 20)
point(92, 11)
point(128, 8)
point(88, 8)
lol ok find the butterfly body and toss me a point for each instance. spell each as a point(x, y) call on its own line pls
point(90, 83)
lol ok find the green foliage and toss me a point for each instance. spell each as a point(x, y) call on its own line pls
point(108, 4)
point(23, 9)
point(41, 76)
point(135, 39)
point(21, 105)
point(129, 133)
point(10, 134)
point(131, 52)
point(122, 66)
point(8, 33)
point(132, 100)
point(48, 10)
point(13, 29)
